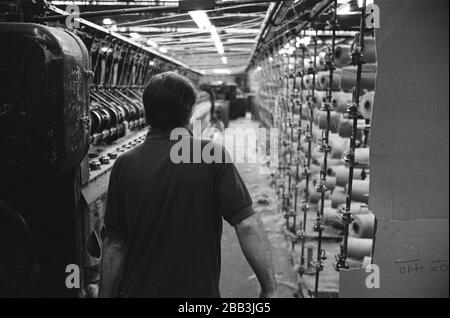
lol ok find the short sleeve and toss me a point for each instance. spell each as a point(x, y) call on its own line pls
point(235, 203)
point(115, 220)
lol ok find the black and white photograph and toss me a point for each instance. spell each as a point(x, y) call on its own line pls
point(221, 156)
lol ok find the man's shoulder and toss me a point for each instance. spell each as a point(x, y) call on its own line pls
point(129, 155)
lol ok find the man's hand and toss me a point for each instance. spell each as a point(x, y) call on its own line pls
point(113, 260)
point(256, 248)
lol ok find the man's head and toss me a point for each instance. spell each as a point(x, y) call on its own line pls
point(168, 100)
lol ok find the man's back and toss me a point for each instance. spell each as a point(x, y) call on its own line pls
point(170, 215)
point(164, 217)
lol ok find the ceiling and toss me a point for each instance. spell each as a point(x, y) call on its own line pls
point(176, 34)
point(244, 30)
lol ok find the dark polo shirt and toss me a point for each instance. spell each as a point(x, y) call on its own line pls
point(170, 216)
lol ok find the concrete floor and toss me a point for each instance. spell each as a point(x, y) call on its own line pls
point(238, 279)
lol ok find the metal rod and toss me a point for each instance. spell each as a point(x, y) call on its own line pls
point(304, 197)
point(350, 157)
point(324, 146)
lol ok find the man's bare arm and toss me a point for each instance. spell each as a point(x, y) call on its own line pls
point(256, 248)
point(113, 261)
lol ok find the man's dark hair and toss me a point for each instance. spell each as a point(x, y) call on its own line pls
point(168, 100)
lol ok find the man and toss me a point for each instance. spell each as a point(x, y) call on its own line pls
point(164, 219)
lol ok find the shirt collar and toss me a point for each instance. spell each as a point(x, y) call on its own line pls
point(164, 134)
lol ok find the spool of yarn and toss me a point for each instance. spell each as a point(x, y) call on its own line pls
point(307, 81)
point(341, 173)
point(316, 133)
point(316, 116)
point(330, 161)
point(316, 101)
point(331, 218)
point(307, 63)
point(342, 55)
point(330, 183)
point(301, 185)
point(368, 77)
point(316, 155)
point(356, 208)
point(298, 82)
point(340, 101)
point(366, 104)
point(345, 129)
point(338, 146)
point(362, 157)
point(359, 247)
point(314, 169)
point(338, 197)
point(363, 226)
point(370, 52)
point(303, 147)
point(321, 96)
point(367, 260)
point(314, 196)
point(360, 190)
point(320, 80)
point(335, 118)
point(320, 63)
point(290, 82)
point(305, 111)
point(327, 204)
point(313, 206)
point(324, 80)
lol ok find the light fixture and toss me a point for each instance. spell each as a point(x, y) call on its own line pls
point(259, 69)
point(216, 39)
point(151, 63)
point(201, 19)
point(152, 43)
point(107, 21)
point(163, 50)
point(224, 60)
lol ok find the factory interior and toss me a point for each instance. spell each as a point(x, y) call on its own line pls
point(353, 190)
